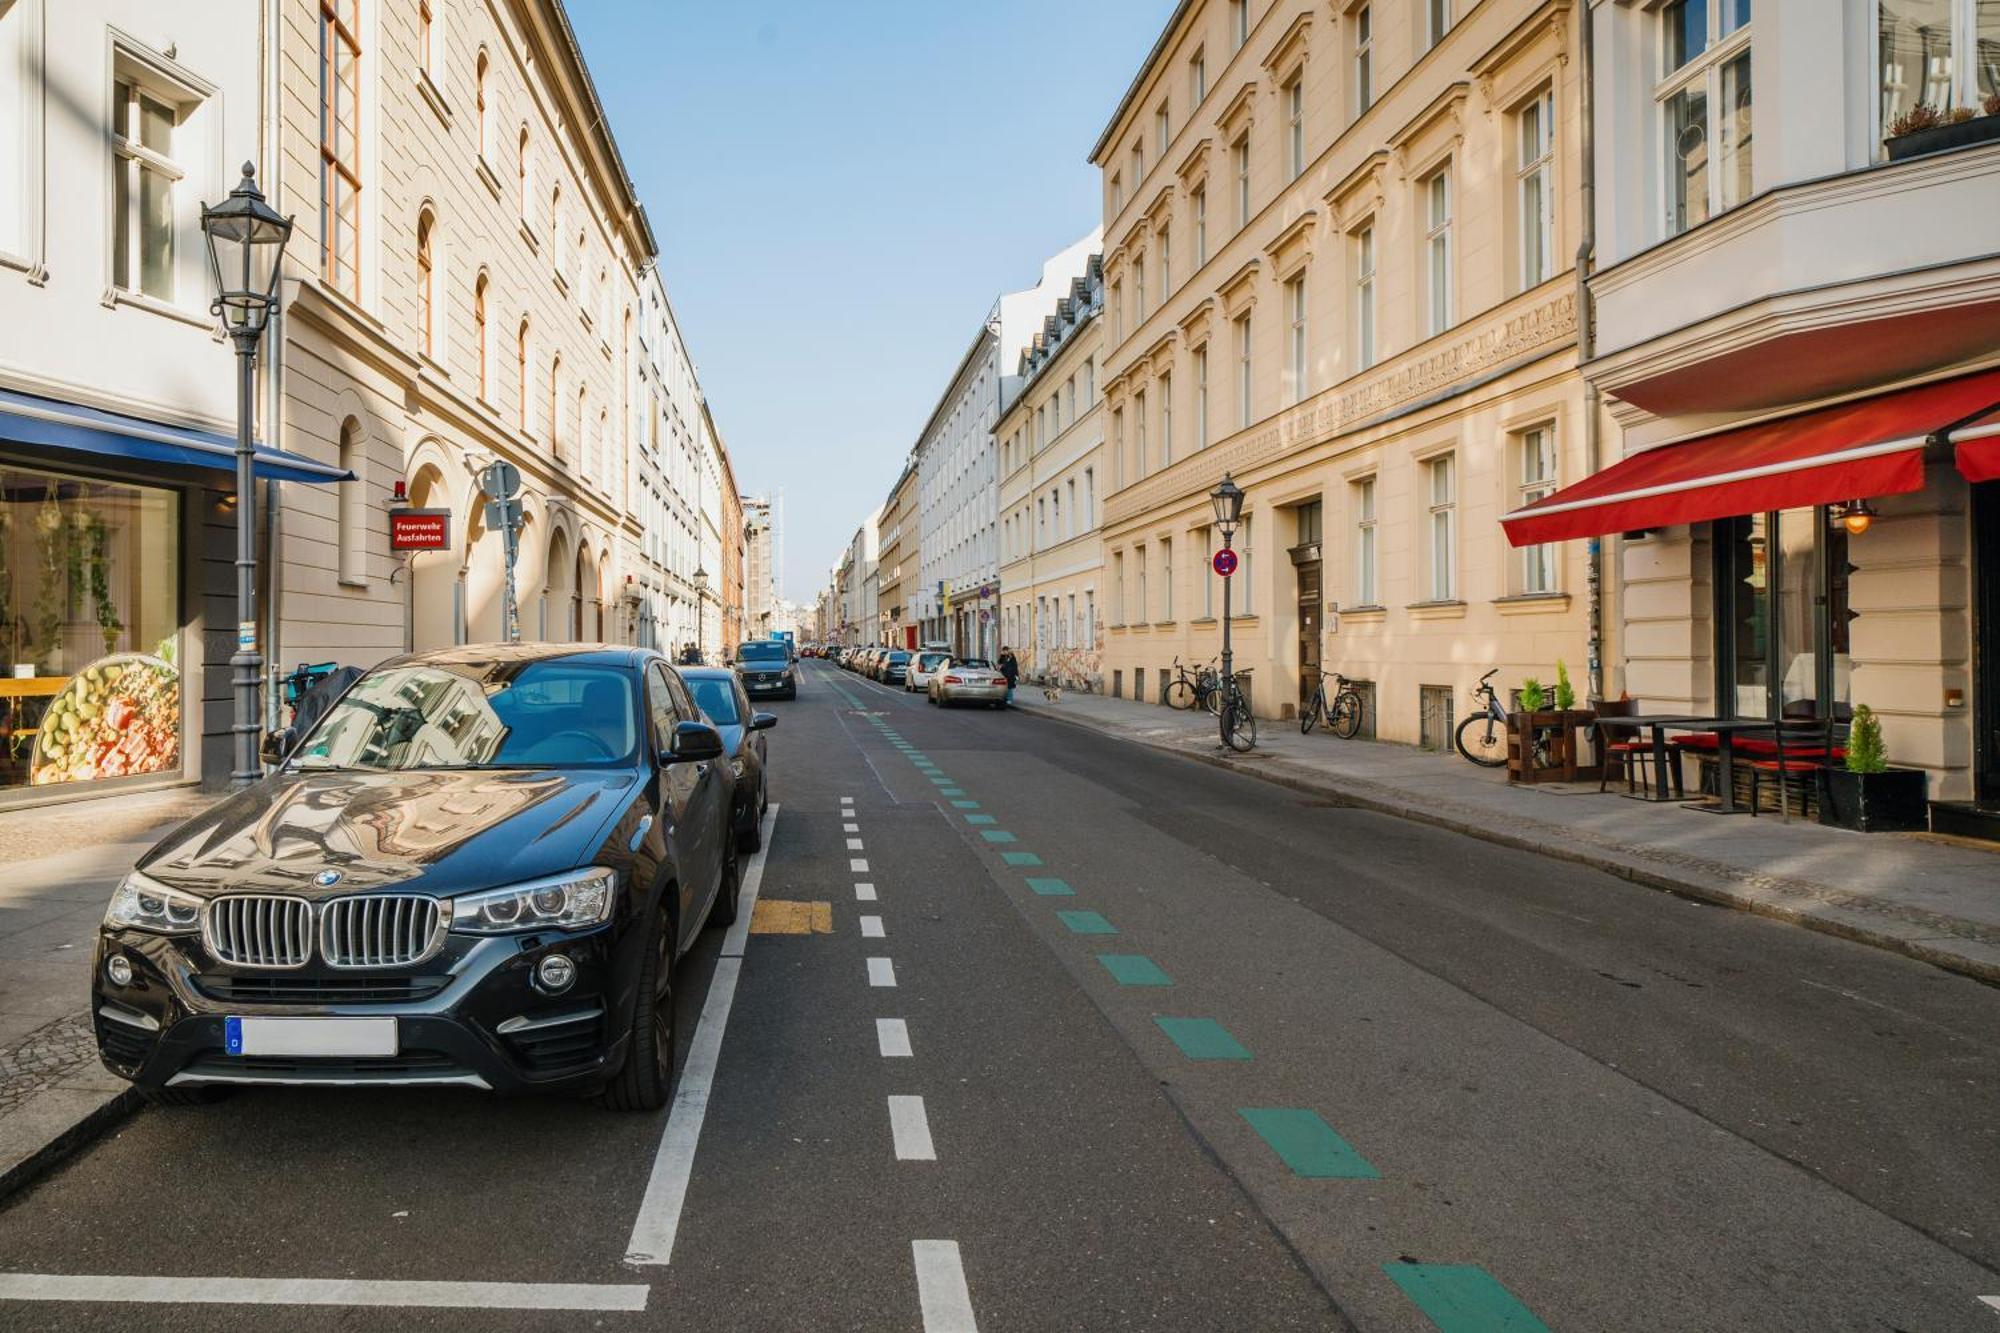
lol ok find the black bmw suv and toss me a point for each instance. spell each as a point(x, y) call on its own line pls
point(479, 869)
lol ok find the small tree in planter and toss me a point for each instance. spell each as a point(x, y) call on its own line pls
point(1866, 794)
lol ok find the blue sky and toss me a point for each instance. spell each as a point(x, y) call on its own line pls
point(839, 192)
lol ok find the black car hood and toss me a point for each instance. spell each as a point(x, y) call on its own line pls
point(442, 831)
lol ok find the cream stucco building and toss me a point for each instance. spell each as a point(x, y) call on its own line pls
point(1338, 267)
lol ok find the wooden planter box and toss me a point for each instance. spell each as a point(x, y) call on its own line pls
point(1566, 733)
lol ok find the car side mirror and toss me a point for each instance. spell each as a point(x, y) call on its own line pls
point(694, 742)
point(275, 746)
point(763, 721)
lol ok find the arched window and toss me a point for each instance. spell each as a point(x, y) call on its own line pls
point(350, 558)
point(482, 108)
point(426, 275)
point(555, 404)
point(582, 423)
point(525, 177)
point(555, 223)
point(602, 463)
point(480, 347)
point(521, 373)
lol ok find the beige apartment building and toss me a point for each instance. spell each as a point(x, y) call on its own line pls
point(896, 571)
point(466, 267)
point(1339, 267)
point(1051, 442)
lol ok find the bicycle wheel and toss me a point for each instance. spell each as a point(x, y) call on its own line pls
point(1239, 726)
point(1180, 694)
point(1483, 739)
point(1309, 715)
point(1212, 701)
point(1346, 720)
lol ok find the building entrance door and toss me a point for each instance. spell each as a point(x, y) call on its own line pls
point(1309, 627)
point(1986, 642)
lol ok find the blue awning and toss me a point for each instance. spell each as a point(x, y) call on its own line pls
point(58, 425)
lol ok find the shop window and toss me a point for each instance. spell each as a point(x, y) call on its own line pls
point(90, 613)
point(1782, 617)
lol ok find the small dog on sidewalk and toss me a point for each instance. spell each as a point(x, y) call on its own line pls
point(1053, 693)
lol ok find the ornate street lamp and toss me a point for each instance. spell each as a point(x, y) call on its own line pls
point(700, 613)
point(1228, 501)
point(246, 252)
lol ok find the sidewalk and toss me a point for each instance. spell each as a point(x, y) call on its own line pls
point(60, 865)
point(1931, 898)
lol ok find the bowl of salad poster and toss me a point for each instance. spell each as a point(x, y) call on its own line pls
point(118, 717)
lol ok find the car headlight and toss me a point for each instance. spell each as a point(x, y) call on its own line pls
point(571, 901)
point(736, 766)
point(143, 903)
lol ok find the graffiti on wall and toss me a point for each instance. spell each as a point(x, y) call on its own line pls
point(1074, 668)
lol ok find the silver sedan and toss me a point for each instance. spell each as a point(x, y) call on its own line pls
point(968, 680)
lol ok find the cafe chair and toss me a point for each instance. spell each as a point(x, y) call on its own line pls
point(1798, 763)
point(1633, 757)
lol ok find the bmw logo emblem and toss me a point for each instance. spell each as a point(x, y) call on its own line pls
point(326, 879)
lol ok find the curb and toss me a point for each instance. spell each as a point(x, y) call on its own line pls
point(1932, 948)
point(81, 1133)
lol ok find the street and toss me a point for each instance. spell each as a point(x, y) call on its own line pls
point(1091, 1037)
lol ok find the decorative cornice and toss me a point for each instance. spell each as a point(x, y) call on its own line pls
point(1160, 356)
point(1194, 324)
point(1292, 46)
point(1240, 113)
point(1194, 167)
point(1445, 114)
point(1549, 21)
point(1293, 246)
point(1360, 192)
point(1239, 289)
point(1162, 204)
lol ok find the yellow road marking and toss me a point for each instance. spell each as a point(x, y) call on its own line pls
point(776, 916)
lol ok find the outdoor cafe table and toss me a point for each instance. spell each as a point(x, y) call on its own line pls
point(1726, 731)
point(1659, 726)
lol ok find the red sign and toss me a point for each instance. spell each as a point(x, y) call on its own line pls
point(1225, 562)
point(419, 529)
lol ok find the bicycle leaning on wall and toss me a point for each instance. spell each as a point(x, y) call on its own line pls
point(1341, 713)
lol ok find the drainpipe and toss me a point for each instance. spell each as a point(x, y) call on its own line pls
point(1586, 331)
point(273, 353)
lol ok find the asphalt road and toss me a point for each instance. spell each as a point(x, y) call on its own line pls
point(1184, 1051)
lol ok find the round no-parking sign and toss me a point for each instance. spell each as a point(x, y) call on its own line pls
point(1225, 562)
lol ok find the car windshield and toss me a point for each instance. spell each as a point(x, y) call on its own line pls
point(541, 714)
point(715, 698)
point(761, 650)
point(899, 657)
point(932, 661)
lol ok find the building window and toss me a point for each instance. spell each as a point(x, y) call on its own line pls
point(1536, 450)
point(1364, 297)
point(1089, 510)
point(479, 339)
point(1942, 53)
point(1437, 21)
point(1243, 372)
point(1535, 126)
point(1203, 540)
point(521, 364)
point(1295, 312)
point(1090, 381)
point(426, 284)
point(1705, 67)
point(523, 178)
point(1295, 127)
point(1239, 23)
point(352, 519)
point(427, 40)
point(1117, 311)
point(555, 405)
point(1442, 492)
point(1117, 192)
point(1166, 421)
point(1241, 149)
point(1138, 291)
point(1364, 61)
point(1162, 134)
point(1166, 264)
point(1117, 587)
point(1366, 590)
point(1079, 521)
point(340, 146)
point(1139, 460)
point(1167, 579)
point(1437, 253)
point(1201, 397)
point(142, 141)
point(1197, 79)
point(1199, 204)
point(482, 108)
point(1142, 607)
point(1246, 603)
point(1138, 168)
point(1118, 449)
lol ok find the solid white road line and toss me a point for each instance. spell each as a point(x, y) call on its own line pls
point(941, 1289)
point(854, 844)
point(881, 972)
point(911, 1130)
point(1993, 1301)
point(857, 865)
point(871, 927)
point(322, 1291)
point(893, 1036)
point(865, 891)
point(659, 1220)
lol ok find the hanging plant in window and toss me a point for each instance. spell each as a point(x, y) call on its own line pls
point(51, 595)
point(97, 540)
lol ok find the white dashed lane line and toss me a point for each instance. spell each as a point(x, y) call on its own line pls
point(871, 927)
point(881, 972)
point(865, 891)
point(941, 1289)
point(911, 1129)
point(850, 828)
point(893, 1036)
point(857, 866)
point(854, 844)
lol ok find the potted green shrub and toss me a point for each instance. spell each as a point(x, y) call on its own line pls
point(1866, 794)
point(1931, 129)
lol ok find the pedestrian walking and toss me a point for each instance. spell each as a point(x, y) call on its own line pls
point(1011, 669)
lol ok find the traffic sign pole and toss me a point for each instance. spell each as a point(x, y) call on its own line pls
point(501, 481)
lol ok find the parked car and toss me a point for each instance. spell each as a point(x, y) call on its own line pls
point(766, 668)
point(481, 868)
point(923, 665)
point(895, 667)
point(722, 698)
point(968, 680)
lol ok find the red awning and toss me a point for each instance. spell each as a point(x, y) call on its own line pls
point(1851, 451)
point(1979, 451)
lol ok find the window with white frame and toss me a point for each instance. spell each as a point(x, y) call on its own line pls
point(1245, 582)
point(1166, 421)
point(1162, 131)
point(1243, 371)
point(1078, 520)
point(1362, 35)
point(1138, 167)
point(1437, 252)
point(1437, 21)
point(1117, 192)
point(1199, 206)
point(1197, 78)
point(1203, 539)
point(1138, 291)
point(1298, 372)
point(1118, 449)
point(1295, 127)
point(1090, 381)
point(1704, 109)
point(1142, 608)
point(1201, 396)
point(1117, 311)
point(1441, 493)
point(1167, 579)
point(143, 123)
point(1939, 53)
point(1535, 452)
point(1140, 462)
point(1069, 400)
point(1239, 23)
point(427, 283)
point(340, 145)
point(1089, 510)
point(1367, 592)
point(1534, 189)
point(1090, 618)
point(482, 105)
point(1166, 247)
point(1117, 587)
point(1364, 297)
point(1241, 152)
point(13, 131)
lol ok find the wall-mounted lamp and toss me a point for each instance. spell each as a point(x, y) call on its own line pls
point(1856, 516)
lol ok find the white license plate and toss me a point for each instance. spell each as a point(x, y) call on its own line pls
point(309, 1036)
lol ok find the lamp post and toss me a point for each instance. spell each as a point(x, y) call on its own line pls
point(246, 250)
point(1228, 501)
point(700, 613)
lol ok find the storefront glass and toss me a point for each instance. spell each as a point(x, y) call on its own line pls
point(1782, 615)
point(90, 620)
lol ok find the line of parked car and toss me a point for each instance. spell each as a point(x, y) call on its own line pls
point(943, 678)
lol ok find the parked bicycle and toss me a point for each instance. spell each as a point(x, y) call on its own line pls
point(1341, 713)
point(1239, 724)
point(1482, 736)
point(1192, 689)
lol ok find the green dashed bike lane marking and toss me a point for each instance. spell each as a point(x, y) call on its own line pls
point(1463, 1298)
point(1087, 923)
point(1133, 969)
point(1307, 1144)
point(1202, 1039)
point(1051, 888)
